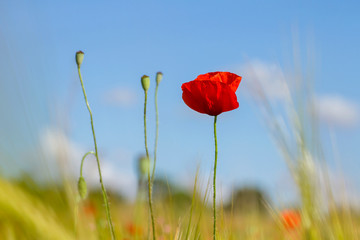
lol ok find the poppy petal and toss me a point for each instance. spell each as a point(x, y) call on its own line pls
point(209, 97)
point(228, 78)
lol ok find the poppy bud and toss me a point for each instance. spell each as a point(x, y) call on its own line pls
point(145, 81)
point(82, 188)
point(79, 58)
point(143, 165)
point(159, 76)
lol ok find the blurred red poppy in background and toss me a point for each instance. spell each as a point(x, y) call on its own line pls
point(89, 209)
point(133, 229)
point(291, 219)
point(212, 93)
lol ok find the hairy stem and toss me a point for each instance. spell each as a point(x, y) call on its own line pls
point(157, 133)
point(106, 201)
point(214, 183)
point(149, 178)
point(82, 161)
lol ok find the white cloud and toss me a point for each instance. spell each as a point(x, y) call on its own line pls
point(268, 79)
point(121, 180)
point(60, 150)
point(265, 78)
point(337, 111)
point(120, 97)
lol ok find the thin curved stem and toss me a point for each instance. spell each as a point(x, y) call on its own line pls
point(106, 201)
point(82, 161)
point(156, 135)
point(149, 178)
point(214, 183)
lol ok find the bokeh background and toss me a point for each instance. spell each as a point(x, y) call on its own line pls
point(43, 115)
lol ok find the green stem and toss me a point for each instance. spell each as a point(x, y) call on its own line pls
point(149, 179)
point(157, 133)
point(214, 183)
point(82, 161)
point(107, 208)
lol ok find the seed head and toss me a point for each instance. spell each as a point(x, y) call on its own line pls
point(145, 82)
point(159, 77)
point(79, 58)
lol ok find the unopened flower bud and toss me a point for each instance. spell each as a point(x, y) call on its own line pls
point(143, 165)
point(82, 188)
point(159, 77)
point(145, 81)
point(79, 58)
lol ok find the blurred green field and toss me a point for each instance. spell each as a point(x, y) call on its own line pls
point(31, 211)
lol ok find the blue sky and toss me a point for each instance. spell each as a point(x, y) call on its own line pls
point(123, 40)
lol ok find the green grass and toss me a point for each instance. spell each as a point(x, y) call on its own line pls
point(52, 212)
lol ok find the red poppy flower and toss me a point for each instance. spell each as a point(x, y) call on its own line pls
point(212, 93)
point(291, 219)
